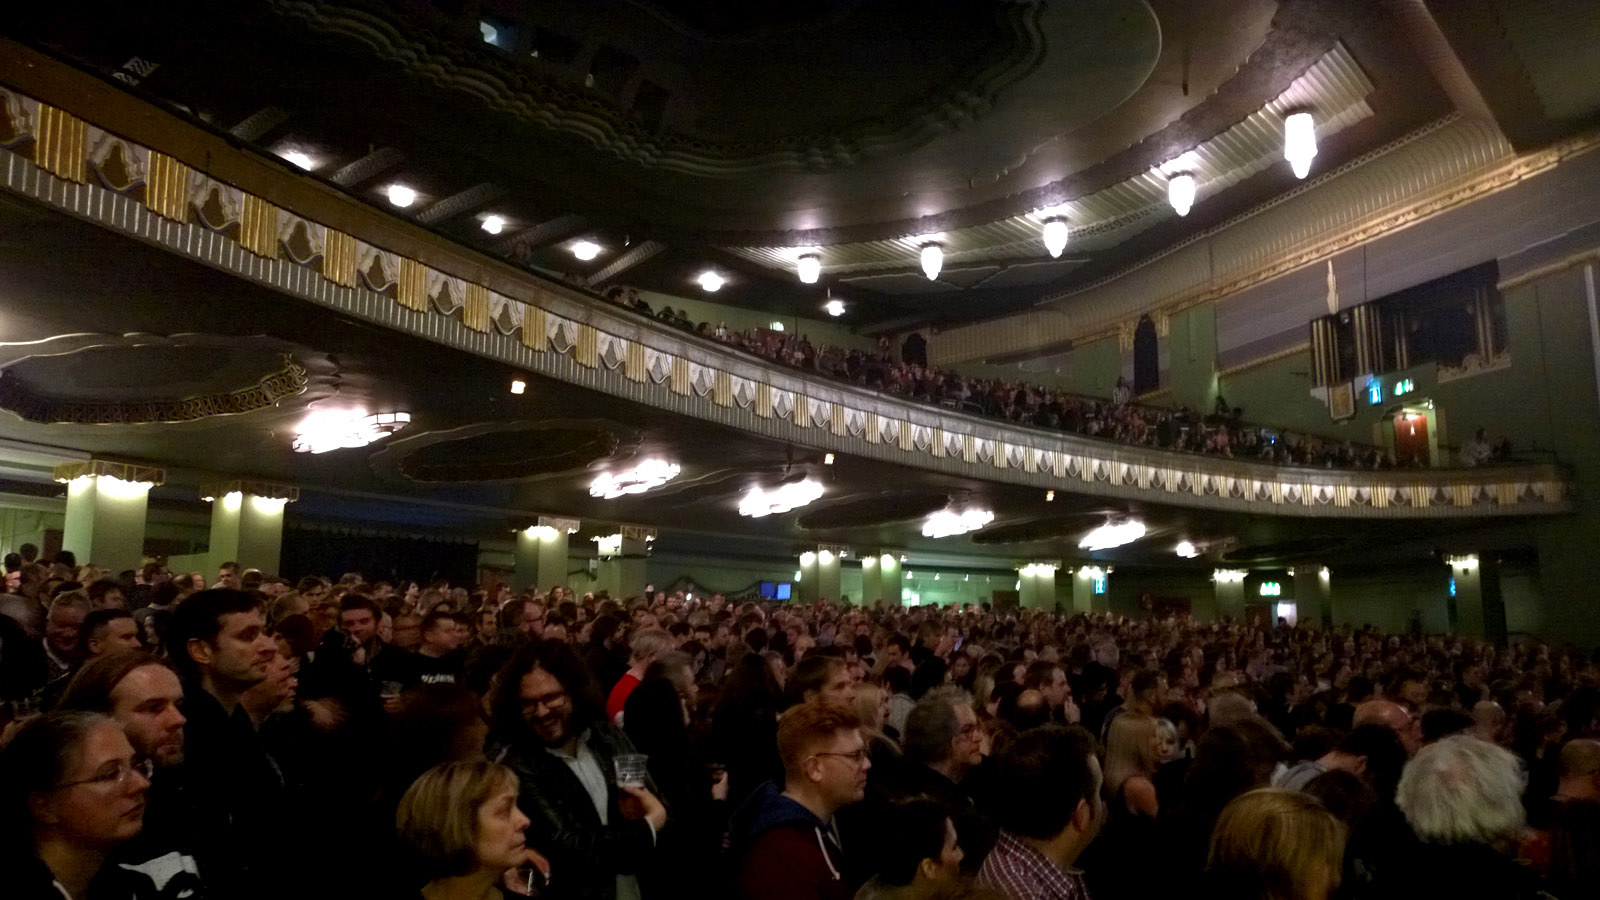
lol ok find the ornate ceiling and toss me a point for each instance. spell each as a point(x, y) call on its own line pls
point(679, 135)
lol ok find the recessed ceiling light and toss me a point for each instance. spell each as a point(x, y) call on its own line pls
point(401, 196)
point(711, 282)
point(834, 307)
point(493, 224)
point(586, 250)
point(809, 268)
point(518, 385)
point(298, 160)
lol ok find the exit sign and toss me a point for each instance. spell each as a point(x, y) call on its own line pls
point(1374, 392)
point(1403, 387)
point(1271, 589)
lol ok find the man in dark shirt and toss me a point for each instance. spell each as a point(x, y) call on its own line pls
point(219, 642)
point(438, 659)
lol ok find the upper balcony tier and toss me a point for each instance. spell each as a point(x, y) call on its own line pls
point(82, 147)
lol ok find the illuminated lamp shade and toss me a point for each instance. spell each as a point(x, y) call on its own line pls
point(401, 196)
point(1112, 535)
point(809, 268)
point(648, 474)
point(586, 250)
point(1187, 549)
point(518, 386)
point(1055, 236)
point(1299, 142)
point(932, 260)
point(758, 502)
point(711, 282)
point(493, 224)
point(1180, 193)
point(834, 308)
point(948, 523)
point(326, 430)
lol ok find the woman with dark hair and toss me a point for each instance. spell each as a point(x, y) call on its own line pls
point(744, 727)
point(436, 724)
point(72, 792)
point(915, 852)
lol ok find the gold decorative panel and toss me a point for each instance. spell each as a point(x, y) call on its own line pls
point(166, 188)
point(258, 227)
point(535, 326)
point(339, 258)
point(60, 144)
point(722, 389)
point(587, 350)
point(475, 307)
point(680, 376)
point(411, 288)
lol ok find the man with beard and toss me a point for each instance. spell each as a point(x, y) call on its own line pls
point(550, 727)
point(219, 642)
point(142, 693)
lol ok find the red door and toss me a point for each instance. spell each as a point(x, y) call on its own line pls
point(1411, 439)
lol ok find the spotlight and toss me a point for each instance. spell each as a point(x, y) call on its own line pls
point(827, 459)
point(1180, 193)
point(493, 224)
point(809, 268)
point(711, 282)
point(834, 308)
point(586, 250)
point(401, 196)
point(1049, 496)
point(932, 259)
point(518, 385)
point(1055, 235)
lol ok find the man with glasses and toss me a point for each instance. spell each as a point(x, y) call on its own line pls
point(945, 746)
point(786, 843)
point(550, 727)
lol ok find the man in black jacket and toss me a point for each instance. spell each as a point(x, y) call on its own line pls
point(550, 726)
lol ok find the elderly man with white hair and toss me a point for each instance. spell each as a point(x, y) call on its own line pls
point(1463, 799)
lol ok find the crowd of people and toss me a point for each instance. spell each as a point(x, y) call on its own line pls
point(906, 373)
point(262, 738)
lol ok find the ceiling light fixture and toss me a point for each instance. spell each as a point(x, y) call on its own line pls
point(1180, 193)
point(949, 523)
point(1112, 534)
point(827, 459)
point(586, 250)
point(1229, 576)
point(834, 308)
point(932, 259)
point(401, 196)
point(1187, 549)
point(647, 475)
point(809, 268)
point(758, 502)
point(298, 160)
point(327, 430)
point(518, 385)
point(1055, 235)
point(1299, 142)
point(493, 224)
point(1049, 496)
point(711, 282)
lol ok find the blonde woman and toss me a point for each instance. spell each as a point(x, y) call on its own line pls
point(1273, 844)
point(1131, 762)
point(465, 833)
point(871, 706)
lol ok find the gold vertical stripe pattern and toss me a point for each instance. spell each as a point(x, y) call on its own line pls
point(1505, 494)
point(1462, 494)
point(166, 188)
point(535, 329)
point(1419, 496)
point(938, 443)
point(258, 227)
point(1380, 497)
point(1308, 494)
point(722, 389)
point(1086, 468)
point(61, 143)
point(838, 419)
point(1341, 495)
point(801, 414)
point(339, 258)
point(587, 353)
point(969, 448)
point(680, 375)
point(874, 435)
point(475, 308)
point(999, 454)
point(411, 286)
point(905, 436)
point(763, 400)
point(632, 361)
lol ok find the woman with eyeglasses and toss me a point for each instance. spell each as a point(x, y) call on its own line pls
point(71, 791)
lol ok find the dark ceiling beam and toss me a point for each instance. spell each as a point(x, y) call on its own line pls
point(547, 232)
point(1478, 39)
point(462, 203)
point(631, 257)
point(370, 166)
point(255, 126)
point(1423, 33)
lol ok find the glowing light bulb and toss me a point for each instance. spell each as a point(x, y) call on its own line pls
point(932, 260)
point(711, 282)
point(493, 224)
point(809, 268)
point(401, 196)
point(1055, 236)
point(1299, 142)
point(586, 250)
point(1180, 193)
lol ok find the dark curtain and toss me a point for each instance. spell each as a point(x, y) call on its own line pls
point(1146, 358)
point(394, 559)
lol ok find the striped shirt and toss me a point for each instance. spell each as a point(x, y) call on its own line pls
point(1023, 873)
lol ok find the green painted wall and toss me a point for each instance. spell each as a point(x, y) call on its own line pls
point(1191, 376)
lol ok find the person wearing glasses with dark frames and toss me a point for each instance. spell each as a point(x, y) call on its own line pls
point(786, 844)
point(71, 792)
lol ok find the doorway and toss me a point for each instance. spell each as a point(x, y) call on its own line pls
point(1411, 439)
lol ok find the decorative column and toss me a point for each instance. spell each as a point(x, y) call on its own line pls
point(106, 504)
point(1480, 607)
point(1313, 596)
point(541, 557)
point(1229, 589)
point(819, 573)
point(881, 578)
point(1038, 585)
point(1084, 579)
point(247, 523)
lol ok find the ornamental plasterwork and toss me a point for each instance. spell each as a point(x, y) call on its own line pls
point(950, 442)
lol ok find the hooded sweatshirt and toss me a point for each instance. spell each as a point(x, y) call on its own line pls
point(785, 852)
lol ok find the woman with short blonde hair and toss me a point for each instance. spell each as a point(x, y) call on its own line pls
point(1273, 844)
point(462, 825)
point(1131, 761)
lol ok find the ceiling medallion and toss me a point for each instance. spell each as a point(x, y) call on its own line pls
point(949, 523)
point(647, 475)
point(781, 499)
point(326, 430)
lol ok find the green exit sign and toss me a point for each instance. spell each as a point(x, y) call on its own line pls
point(1271, 589)
point(1403, 386)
